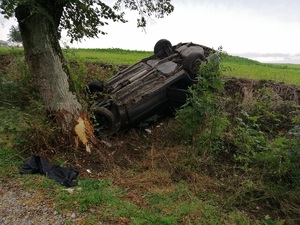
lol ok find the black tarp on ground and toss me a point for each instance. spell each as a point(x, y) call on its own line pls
point(36, 164)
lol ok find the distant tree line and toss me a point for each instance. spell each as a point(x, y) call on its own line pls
point(3, 43)
point(14, 37)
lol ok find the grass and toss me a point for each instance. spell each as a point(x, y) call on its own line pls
point(9, 160)
point(100, 200)
point(17, 51)
point(245, 68)
point(160, 182)
point(234, 66)
point(111, 56)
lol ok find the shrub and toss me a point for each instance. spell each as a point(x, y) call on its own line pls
point(202, 117)
point(16, 84)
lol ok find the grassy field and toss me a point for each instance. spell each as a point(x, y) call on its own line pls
point(113, 56)
point(242, 67)
point(232, 65)
point(159, 177)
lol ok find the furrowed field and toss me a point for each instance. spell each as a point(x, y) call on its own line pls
point(230, 158)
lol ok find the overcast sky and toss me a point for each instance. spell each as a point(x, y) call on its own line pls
point(264, 30)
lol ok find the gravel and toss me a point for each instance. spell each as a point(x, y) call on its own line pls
point(23, 207)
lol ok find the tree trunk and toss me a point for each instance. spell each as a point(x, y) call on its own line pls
point(47, 66)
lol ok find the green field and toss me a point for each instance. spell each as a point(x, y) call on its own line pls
point(232, 65)
point(246, 68)
point(113, 56)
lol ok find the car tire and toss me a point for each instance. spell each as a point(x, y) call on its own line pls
point(95, 86)
point(104, 117)
point(163, 48)
point(193, 62)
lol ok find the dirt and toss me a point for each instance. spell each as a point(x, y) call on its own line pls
point(5, 61)
point(248, 89)
point(23, 207)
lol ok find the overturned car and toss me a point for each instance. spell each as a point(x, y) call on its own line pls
point(154, 86)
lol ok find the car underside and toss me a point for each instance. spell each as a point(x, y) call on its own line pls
point(154, 86)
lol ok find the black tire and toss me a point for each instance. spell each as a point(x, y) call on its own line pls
point(95, 86)
point(104, 118)
point(163, 47)
point(193, 62)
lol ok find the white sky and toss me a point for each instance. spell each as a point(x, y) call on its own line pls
point(264, 30)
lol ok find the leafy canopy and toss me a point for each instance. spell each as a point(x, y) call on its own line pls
point(85, 17)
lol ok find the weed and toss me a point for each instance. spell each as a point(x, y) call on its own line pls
point(261, 141)
point(202, 116)
point(16, 86)
point(250, 155)
point(9, 160)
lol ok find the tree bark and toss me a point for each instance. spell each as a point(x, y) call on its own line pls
point(47, 66)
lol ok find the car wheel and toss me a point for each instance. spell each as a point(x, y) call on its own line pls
point(95, 86)
point(163, 47)
point(104, 118)
point(193, 62)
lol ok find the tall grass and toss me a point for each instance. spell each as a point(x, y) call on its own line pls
point(149, 195)
point(17, 51)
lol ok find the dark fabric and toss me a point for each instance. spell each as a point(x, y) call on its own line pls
point(64, 176)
